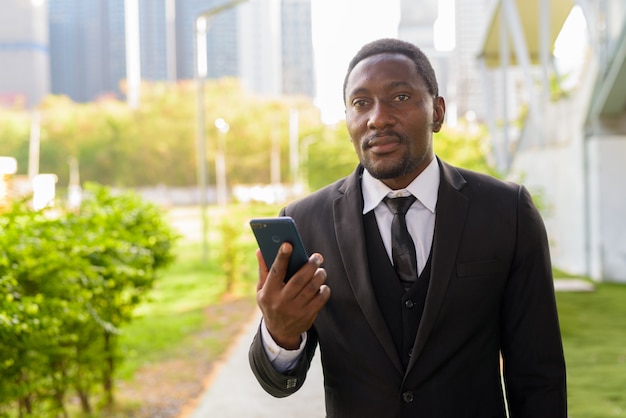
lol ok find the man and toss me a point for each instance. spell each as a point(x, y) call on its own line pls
point(475, 321)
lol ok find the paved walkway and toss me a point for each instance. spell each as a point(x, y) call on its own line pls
point(234, 391)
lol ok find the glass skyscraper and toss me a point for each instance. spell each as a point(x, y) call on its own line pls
point(88, 45)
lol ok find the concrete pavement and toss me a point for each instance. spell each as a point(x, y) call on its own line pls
point(234, 391)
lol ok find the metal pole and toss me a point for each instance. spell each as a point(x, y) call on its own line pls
point(220, 162)
point(514, 24)
point(34, 145)
point(201, 140)
point(133, 61)
point(202, 26)
point(294, 154)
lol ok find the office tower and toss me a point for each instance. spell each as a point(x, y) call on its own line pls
point(260, 46)
point(168, 35)
point(87, 48)
point(222, 39)
point(24, 78)
point(297, 48)
point(153, 31)
point(88, 44)
point(265, 43)
point(458, 71)
point(417, 25)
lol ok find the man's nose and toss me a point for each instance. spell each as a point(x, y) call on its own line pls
point(381, 116)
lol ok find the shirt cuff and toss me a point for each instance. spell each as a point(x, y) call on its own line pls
point(282, 360)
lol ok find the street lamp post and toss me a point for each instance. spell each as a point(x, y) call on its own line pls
point(220, 161)
point(201, 28)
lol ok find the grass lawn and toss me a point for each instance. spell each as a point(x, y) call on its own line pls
point(189, 322)
point(593, 325)
point(177, 304)
point(175, 312)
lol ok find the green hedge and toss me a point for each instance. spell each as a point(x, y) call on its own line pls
point(68, 282)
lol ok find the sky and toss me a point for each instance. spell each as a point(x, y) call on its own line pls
point(340, 28)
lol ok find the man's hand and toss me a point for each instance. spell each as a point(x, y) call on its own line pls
point(289, 309)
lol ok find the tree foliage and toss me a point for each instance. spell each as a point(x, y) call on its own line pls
point(156, 143)
point(466, 147)
point(332, 155)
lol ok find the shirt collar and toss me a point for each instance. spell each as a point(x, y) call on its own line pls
point(424, 188)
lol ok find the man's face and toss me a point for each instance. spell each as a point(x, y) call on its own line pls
point(391, 116)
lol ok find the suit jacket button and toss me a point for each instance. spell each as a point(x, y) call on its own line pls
point(409, 304)
point(408, 397)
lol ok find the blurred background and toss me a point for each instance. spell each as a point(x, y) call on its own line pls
point(216, 111)
point(131, 93)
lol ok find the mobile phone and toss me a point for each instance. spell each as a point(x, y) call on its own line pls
point(270, 233)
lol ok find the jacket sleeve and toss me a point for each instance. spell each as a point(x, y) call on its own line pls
point(532, 351)
point(278, 384)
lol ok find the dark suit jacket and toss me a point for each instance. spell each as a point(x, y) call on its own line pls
point(491, 292)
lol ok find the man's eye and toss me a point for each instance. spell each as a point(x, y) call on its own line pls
point(358, 103)
point(401, 98)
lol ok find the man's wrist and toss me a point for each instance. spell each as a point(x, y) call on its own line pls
point(281, 358)
point(287, 344)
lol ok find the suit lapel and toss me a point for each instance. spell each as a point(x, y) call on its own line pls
point(348, 221)
point(451, 213)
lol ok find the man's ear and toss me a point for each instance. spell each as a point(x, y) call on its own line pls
point(439, 113)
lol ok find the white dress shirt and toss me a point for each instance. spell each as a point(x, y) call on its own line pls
point(420, 219)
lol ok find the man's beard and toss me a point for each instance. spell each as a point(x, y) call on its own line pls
point(390, 171)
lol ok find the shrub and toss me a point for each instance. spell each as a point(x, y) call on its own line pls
point(68, 282)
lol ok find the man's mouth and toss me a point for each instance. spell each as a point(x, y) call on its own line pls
point(383, 144)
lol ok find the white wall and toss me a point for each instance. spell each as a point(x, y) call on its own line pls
point(607, 204)
point(555, 179)
point(583, 202)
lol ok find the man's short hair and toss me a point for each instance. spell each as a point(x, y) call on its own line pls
point(391, 45)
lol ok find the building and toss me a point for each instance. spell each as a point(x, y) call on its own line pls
point(298, 67)
point(276, 50)
point(223, 40)
point(265, 43)
point(571, 146)
point(566, 144)
point(87, 48)
point(418, 21)
point(260, 46)
point(24, 53)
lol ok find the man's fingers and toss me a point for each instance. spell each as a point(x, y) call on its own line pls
point(305, 277)
point(278, 269)
point(303, 288)
point(313, 288)
point(320, 298)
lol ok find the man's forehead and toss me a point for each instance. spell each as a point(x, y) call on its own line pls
point(394, 63)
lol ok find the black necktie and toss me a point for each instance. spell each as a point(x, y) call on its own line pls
point(402, 247)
